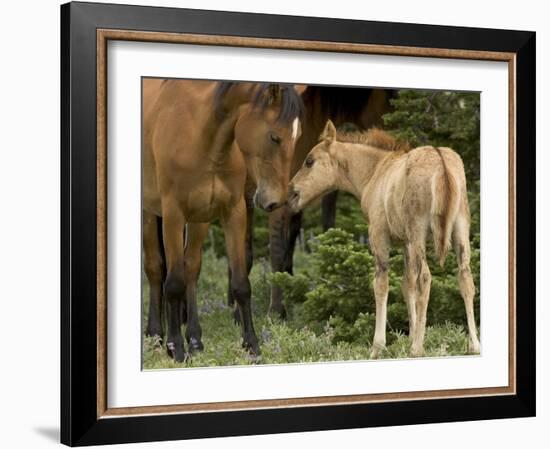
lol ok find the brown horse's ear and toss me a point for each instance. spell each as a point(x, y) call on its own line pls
point(329, 133)
point(273, 93)
point(300, 88)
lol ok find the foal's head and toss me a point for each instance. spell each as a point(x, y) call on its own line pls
point(318, 174)
point(266, 132)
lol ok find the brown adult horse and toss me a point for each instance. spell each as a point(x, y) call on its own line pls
point(363, 107)
point(201, 141)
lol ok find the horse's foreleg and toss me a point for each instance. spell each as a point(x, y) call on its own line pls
point(278, 246)
point(249, 256)
point(461, 242)
point(380, 248)
point(173, 224)
point(234, 227)
point(155, 271)
point(196, 233)
point(328, 210)
point(293, 233)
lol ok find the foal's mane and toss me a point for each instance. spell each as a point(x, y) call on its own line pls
point(374, 137)
point(289, 101)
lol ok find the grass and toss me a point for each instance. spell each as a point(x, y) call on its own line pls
point(281, 342)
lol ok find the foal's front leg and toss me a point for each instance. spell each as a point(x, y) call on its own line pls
point(380, 248)
point(234, 226)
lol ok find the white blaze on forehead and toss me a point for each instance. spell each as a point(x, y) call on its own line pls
point(295, 124)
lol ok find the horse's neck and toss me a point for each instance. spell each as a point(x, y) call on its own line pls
point(359, 163)
point(221, 127)
point(222, 133)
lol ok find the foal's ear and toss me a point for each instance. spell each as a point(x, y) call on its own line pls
point(329, 133)
point(336, 155)
point(300, 88)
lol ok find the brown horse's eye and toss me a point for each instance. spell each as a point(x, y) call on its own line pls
point(275, 138)
point(309, 162)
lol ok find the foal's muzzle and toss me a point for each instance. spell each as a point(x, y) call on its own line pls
point(293, 198)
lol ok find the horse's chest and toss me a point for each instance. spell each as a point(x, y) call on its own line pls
point(208, 199)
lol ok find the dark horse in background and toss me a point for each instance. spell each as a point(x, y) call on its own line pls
point(362, 107)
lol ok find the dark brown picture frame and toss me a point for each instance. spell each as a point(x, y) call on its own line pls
point(86, 29)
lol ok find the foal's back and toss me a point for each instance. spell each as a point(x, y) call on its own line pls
point(414, 186)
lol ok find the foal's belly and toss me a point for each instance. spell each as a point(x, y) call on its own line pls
point(393, 192)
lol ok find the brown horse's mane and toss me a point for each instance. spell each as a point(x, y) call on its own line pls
point(291, 105)
point(374, 137)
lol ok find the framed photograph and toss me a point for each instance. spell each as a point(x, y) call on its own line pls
point(282, 224)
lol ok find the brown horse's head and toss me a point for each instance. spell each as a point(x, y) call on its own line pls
point(266, 132)
point(318, 173)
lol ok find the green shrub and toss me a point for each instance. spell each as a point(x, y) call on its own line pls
point(335, 288)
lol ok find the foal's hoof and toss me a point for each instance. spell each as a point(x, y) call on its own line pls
point(473, 347)
point(176, 352)
point(417, 352)
point(377, 351)
point(195, 345)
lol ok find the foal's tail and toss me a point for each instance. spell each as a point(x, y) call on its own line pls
point(445, 202)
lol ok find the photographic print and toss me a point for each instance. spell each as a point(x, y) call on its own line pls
point(294, 223)
point(255, 206)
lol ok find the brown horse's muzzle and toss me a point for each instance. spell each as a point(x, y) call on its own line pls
point(267, 202)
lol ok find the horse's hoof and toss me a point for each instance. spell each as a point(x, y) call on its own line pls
point(195, 345)
point(279, 311)
point(237, 317)
point(254, 358)
point(154, 333)
point(253, 348)
point(473, 348)
point(176, 352)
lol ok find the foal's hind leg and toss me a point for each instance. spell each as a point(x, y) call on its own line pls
point(408, 288)
point(155, 271)
point(196, 233)
point(173, 224)
point(418, 280)
point(461, 243)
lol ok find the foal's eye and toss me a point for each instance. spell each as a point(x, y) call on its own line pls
point(275, 138)
point(309, 162)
